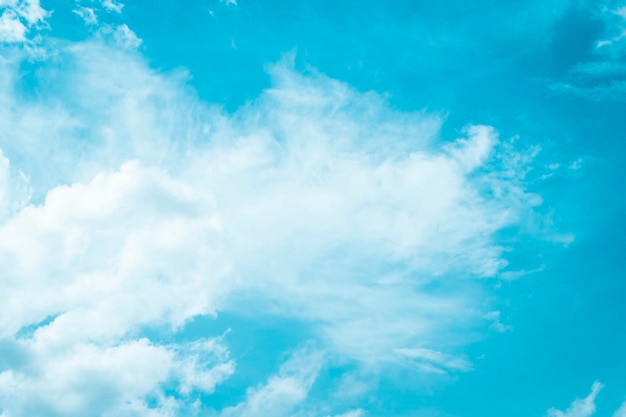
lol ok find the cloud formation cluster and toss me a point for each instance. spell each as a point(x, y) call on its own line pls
point(128, 204)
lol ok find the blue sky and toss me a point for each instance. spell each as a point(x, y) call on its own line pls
point(312, 209)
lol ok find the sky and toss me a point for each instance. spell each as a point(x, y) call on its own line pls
point(236, 208)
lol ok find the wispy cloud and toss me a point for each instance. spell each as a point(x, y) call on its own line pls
point(88, 15)
point(283, 391)
point(584, 407)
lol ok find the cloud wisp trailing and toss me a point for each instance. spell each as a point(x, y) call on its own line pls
point(585, 407)
point(128, 204)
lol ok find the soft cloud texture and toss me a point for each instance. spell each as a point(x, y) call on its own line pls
point(149, 208)
point(130, 378)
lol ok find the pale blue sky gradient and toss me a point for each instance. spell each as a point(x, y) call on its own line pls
point(324, 209)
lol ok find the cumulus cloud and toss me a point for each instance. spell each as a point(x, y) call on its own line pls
point(149, 207)
point(129, 378)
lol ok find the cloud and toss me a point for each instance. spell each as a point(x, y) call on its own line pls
point(112, 6)
point(88, 15)
point(122, 34)
point(353, 413)
point(432, 361)
point(283, 391)
point(621, 412)
point(18, 17)
point(130, 378)
point(29, 10)
point(14, 189)
point(585, 407)
point(149, 207)
point(11, 29)
point(126, 38)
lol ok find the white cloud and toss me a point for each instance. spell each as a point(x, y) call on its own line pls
point(97, 243)
point(86, 379)
point(584, 407)
point(88, 15)
point(14, 190)
point(11, 28)
point(494, 316)
point(126, 38)
point(30, 10)
point(5, 184)
point(432, 361)
point(284, 391)
point(18, 17)
point(112, 6)
point(315, 202)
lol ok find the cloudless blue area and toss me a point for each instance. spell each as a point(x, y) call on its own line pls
point(485, 61)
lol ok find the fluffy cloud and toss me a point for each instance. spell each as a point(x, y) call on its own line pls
point(149, 208)
point(129, 378)
point(18, 16)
